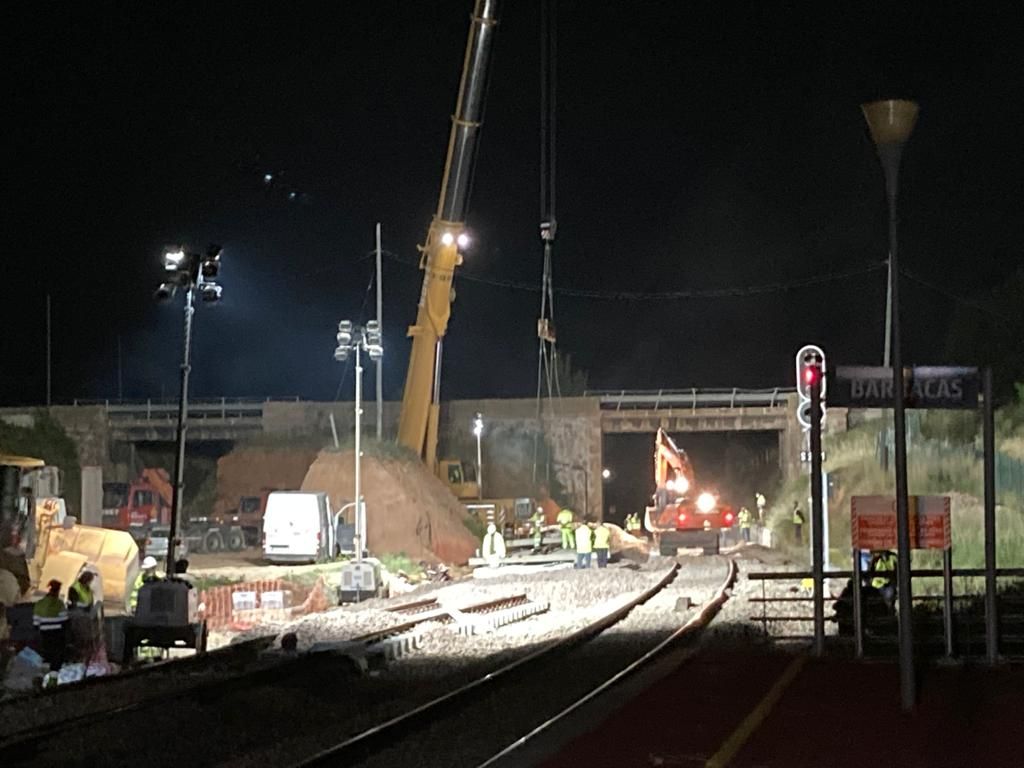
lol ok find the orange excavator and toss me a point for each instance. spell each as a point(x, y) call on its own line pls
point(683, 515)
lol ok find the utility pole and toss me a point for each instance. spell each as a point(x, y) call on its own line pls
point(380, 360)
point(359, 454)
point(49, 379)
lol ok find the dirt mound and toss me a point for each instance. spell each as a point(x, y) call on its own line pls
point(248, 471)
point(629, 546)
point(408, 509)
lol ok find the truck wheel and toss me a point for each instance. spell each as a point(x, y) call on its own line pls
point(236, 541)
point(212, 542)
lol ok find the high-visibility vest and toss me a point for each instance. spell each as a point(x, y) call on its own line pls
point(602, 537)
point(84, 594)
point(537, 520)
point(494, 544)
point(49, 613)
point(798, 517)
point(583, 540)
point(141, 579)
point(885, 562)
point(565, 518)
point(759, 498)
point(744, 517)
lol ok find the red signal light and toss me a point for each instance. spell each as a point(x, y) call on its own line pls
point(682, 517)
point(728, 517)
point(810, 375)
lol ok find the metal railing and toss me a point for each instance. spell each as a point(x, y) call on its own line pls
point(691, 398)
point(224, 408)
point(949, 618)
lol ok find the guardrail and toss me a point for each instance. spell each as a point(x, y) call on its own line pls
point(223, 408)
point(691, 398)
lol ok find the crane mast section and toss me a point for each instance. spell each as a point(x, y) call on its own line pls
point(440, 254)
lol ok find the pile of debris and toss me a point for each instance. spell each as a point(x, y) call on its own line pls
point(408, 510)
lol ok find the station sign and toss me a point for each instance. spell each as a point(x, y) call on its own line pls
point(873, 522)
point(859, 386)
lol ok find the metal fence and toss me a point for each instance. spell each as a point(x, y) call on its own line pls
point(691, 398)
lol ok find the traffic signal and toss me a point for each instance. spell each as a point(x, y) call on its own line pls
point(810, 371)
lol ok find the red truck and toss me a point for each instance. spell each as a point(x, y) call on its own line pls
point(683, 515)
point(139, 504)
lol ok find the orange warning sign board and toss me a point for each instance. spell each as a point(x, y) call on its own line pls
point(873, 521)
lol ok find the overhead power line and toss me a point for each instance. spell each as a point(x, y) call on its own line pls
point(699, 293)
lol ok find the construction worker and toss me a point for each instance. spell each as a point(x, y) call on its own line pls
point(584, 545)
point(537, 528)
point(80, 593)
point(493, 548)
point(147, 573)
point(798, 522)
point(602, 543)
point(565, 518)
point(50, 617)
point(884, 562)
point(745, 518)
point(759, 500)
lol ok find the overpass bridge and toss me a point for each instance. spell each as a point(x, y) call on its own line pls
point(574, 428)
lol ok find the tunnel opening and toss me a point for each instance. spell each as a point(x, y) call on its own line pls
point(734, 464)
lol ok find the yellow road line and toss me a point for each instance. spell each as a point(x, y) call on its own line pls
point(757, 715)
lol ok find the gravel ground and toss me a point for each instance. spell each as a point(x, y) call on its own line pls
point(300, 708)
point(512, 707)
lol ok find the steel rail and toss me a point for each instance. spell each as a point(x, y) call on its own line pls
point(392, 727)
point(696, 623)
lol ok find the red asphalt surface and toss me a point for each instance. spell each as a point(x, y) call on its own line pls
point(834, 714)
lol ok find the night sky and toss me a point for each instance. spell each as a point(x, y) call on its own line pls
point(698, 150)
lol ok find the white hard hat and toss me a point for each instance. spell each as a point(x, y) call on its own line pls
point(491, 528)
point(149, 562)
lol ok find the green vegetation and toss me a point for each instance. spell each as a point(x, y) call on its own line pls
point(47, 440)
point(399, 561)
point(944, 458)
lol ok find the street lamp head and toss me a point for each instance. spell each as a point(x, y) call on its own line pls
point(606, 473)
point(462, 240)
point(890, 121)
point(478, 425)
point(174, 258)
point(447, 238)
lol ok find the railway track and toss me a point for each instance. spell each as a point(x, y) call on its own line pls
point(235, 671)
point(515, 703)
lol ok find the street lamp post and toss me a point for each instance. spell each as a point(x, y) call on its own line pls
point(478, 430)
point(359, 339)
point(189, 273)
point(891, 122)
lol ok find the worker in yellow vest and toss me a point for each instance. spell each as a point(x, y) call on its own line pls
point(883, 566)
point(745, 518)
point(80, 592)
point(493, 547)
point(584, 545)
point(564, 521)
point(537, 528)
point(602, 543)
point(51, 618)
point(148, 572)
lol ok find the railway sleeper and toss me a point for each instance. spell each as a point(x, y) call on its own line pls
point(477, 624)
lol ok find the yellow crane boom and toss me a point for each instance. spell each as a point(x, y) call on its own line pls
point(440, 254)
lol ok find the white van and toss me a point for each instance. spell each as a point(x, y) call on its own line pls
point(298, 527)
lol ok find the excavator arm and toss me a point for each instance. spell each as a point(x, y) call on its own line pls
point(440, 254)
point(671, 465)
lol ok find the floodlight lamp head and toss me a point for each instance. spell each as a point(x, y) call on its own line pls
point(341, 354)
point(174, 258)
point(210, 292)
point(165, 291)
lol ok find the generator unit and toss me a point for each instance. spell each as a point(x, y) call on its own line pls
point(167, 616)
point(359, 581)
